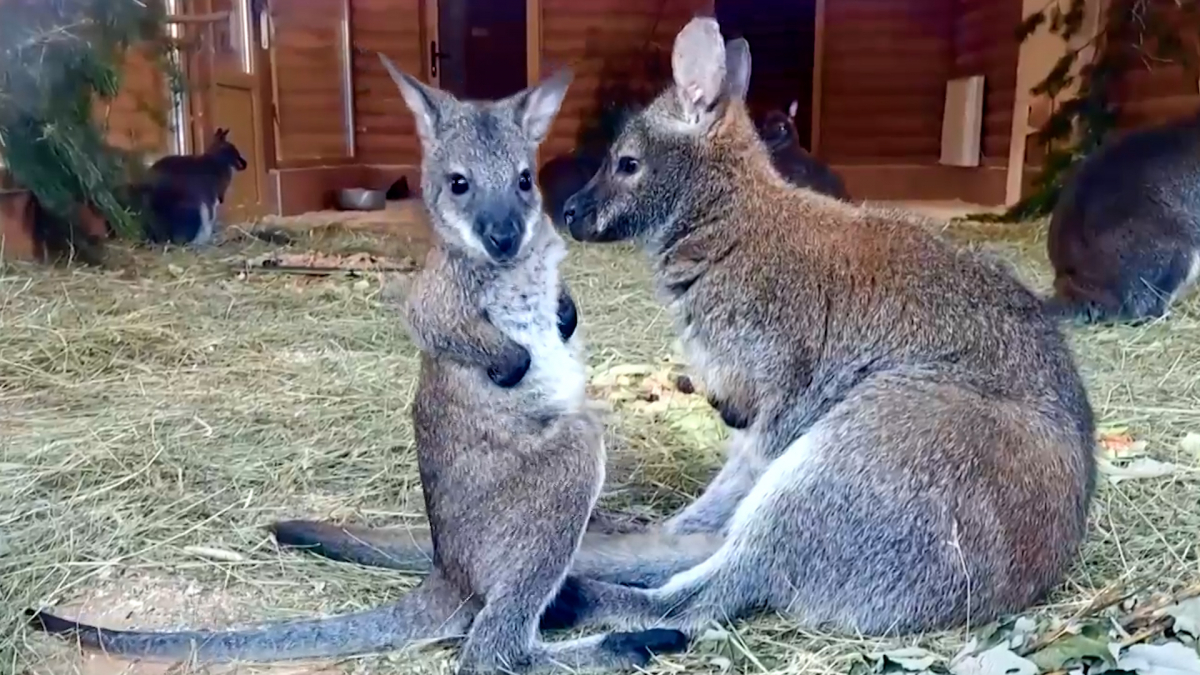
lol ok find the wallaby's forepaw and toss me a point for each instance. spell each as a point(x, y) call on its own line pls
point(731, 415)
point(643, 645)
point(510, 369)
point(568, 316)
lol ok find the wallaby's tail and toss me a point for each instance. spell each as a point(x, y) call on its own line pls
point(429, 612)
point(640, 559)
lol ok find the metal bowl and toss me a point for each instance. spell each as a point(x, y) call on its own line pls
point(361, 199)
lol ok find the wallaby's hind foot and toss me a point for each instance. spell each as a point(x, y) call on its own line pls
point(500, 643)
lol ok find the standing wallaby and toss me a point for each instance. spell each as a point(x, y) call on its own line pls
point(510, 473)
point(1124, 238)
point(180, 197)
point(778, 131)
point(911, 443)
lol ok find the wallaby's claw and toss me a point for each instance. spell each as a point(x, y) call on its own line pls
point(568, 316)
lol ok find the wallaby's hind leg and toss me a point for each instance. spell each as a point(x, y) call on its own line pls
point(1167, 276)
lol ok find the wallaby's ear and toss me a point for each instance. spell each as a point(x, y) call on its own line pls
point(698, 67)
point(537, 106)
point(425, 102)
point(737, 68)
point(793, 109)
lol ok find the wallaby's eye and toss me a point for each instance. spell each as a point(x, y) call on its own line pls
point(459, 184)
point(627, 166)
point(525, 182)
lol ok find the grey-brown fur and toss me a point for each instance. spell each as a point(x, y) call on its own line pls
point(912, 443)
point(1124, 238)
point(510, 454)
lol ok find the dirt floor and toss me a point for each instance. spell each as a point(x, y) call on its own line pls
point(155, 416)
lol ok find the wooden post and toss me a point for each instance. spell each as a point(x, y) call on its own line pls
point(1037, 55)
point(818, 70)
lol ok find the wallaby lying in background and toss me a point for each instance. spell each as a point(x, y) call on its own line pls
point(179, 199)
point(1124, 238)
point(911, 443)
point(778, 131)
point(510, 473)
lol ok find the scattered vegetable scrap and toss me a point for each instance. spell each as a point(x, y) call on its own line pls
point(318, 263)
point(662, 390)
point(1122, 458)
point(1117, 632)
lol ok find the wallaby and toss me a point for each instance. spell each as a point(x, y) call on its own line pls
point(911, 443)
point(778, 131)
point(180, 197)
point(1124, 237)
point(562, 177)
point(510, 473)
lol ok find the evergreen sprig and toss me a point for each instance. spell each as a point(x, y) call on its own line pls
point(1132, 33)
point(58, 59)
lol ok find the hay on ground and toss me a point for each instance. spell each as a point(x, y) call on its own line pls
point(155, 417)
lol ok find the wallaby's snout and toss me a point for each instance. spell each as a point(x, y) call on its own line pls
point(501, 236)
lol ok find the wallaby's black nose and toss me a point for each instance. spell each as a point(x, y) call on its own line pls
point(568, 216)
point(502, 238)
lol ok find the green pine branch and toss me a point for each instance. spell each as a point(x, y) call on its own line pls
point(58, 59)
point(1133, 33)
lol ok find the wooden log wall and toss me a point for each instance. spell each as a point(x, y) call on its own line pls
point(1159, 91)
point(885, 67)
point(597, 38)
point(384, 128)
point(310, 106)
point(985, 43)
point(138, 117)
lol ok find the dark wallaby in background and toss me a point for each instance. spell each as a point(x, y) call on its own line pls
point(1124, 238)
point(181, 193)
point(778, 130)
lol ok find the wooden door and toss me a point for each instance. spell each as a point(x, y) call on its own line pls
point(482, 49)
point(226, 85)
point(781, 35)
point(313, 90)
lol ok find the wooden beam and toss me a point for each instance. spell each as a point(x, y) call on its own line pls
point(818, 71)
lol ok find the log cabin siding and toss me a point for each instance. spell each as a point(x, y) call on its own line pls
point(307, 69)
point(985, 43)
point(1156, 91)
point(384, 128)
point(590, 34)
point(138, 118)
point(884, 71)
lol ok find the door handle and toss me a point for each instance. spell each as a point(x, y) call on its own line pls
point(434, 57)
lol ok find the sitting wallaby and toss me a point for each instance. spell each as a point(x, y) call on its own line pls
point(179, 199)
point(1124, 238)
point(911, 443)
point(778, 131)
point(510, 473)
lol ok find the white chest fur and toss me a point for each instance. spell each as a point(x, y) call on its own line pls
point(525, 308)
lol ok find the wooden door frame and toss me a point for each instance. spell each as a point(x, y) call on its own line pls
point(196, 132)
point(533, 41)
point(818, 78)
